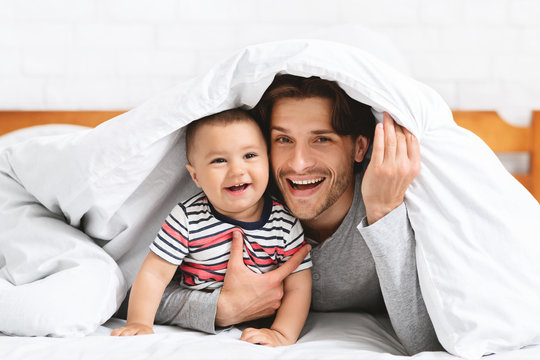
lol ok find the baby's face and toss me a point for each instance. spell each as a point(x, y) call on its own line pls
point(230, 163)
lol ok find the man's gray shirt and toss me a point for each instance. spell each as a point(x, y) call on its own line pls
point(359, 268)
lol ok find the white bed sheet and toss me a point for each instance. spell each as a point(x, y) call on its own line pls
point(325, 336)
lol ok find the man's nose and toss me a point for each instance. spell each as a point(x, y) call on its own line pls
point(301, 158)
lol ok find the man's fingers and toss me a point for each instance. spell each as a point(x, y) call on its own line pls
point(413, 151)
point(377, 154)
point(237, 249)
point(390, 142)
point(290, 265)
point(401, 144)
point(413, 147)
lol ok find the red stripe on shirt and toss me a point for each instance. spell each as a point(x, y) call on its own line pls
point(174, 234)
point(223, 237)
point(201, 274)
point(208, 267)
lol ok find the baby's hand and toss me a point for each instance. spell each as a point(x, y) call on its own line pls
point(132, 329)
point(268, 337)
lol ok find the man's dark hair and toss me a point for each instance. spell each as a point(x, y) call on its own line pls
point(222, 118)
point(349, 117)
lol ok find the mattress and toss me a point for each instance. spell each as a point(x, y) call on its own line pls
point(325, 336)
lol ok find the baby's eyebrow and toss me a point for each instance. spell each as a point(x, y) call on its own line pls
point(213, 154)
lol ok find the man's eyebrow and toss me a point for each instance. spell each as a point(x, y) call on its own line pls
point(278, 128)
point(323, 131)
point(314, 132)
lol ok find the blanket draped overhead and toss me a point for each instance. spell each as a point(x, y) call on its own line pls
point(77, 211)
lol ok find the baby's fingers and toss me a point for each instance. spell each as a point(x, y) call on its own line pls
point(130, 331)
point(247, 333)
point(120, 331)
point(254, 336)
point(259, 339)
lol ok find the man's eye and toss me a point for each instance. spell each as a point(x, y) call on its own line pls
point(282, 140)
point(218, 161)
point(250, 155)
point(323, 139)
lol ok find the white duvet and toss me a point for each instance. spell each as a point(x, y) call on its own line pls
point(77, 211)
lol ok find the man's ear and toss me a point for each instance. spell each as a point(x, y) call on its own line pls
point(193, 174)
point(361, 146)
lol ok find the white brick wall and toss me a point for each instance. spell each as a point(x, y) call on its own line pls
point(114, 54)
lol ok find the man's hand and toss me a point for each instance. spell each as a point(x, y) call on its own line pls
point(395, 162)
point(246, 295)
point(268, 337)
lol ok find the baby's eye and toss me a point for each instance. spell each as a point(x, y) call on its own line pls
point(218, 161)
point(250, 155)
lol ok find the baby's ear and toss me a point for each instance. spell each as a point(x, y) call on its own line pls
point(193, 174)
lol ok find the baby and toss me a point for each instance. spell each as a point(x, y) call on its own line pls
point(228, 159)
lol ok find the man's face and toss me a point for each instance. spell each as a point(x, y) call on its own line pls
point(313, 166)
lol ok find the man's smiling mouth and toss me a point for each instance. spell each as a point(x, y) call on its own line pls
point(305, 184)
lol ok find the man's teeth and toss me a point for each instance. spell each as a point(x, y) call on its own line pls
point(307, 182)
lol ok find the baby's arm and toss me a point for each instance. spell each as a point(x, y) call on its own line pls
point(146, 293)
point(290, 317)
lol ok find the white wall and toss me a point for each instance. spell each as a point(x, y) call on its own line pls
point(114, 54)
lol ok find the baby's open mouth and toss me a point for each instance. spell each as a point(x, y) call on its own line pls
point(238, 187)
point(305, 184)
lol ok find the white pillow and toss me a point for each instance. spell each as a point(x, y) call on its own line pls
point(54, 281)
point(20, 135)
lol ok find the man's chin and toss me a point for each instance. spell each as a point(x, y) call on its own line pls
point(302, 209)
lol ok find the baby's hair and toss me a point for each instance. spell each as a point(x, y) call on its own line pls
point(222, 118)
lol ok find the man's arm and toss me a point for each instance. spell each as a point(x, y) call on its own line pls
point(191, 309)
point(394, 164)
point(244, 296)
point(391, 242)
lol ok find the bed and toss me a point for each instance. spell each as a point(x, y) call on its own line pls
point(326, 335)
point(79, 205)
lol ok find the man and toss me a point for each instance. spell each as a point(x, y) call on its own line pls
point(316, 143)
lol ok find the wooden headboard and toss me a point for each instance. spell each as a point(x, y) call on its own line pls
point(502, 137)
point(13, 120)
point(498, 134)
